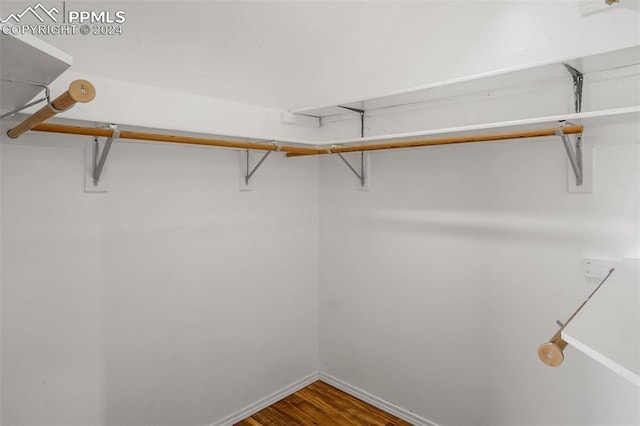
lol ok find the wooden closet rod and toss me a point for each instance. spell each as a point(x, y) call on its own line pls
point(79, 91)
point(294, 151)
point(157, 137)
point(568, 130)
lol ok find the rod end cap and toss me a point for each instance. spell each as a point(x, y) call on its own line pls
point(550, 354)
point(82, 91)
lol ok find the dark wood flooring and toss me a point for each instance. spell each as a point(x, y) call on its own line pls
point(322, 404)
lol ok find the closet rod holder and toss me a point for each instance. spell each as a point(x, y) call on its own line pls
point(79, 91)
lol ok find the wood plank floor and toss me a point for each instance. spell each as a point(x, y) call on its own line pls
point(321, 404)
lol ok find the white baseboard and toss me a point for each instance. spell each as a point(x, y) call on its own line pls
point(380, 403)
point(267, 401)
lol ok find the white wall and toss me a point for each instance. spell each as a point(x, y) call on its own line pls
point(437, 286)
point(294, 54)
point(131, 104)
point(172, 299)
point(439, 283)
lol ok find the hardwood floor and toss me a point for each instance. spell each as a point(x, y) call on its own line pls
point(321, 404)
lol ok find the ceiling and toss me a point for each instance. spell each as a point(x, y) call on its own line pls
point(303, 53)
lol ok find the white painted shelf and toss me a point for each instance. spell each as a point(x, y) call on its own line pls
point(610, 116)
point(585, 118)
point(608, 328)
point(28, 58)
point(508, 77)
point(595, 66)
point(25, 57)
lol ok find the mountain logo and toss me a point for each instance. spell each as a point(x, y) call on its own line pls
point(38, 11)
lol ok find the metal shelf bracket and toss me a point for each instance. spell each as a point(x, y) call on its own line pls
point(248, 173)
point(578, 81)
point(361, 176)
point(99, 159)
point(359, 111)
point(47, 95)
point(575, 155)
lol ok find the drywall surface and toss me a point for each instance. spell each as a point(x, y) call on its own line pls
point(298, 53)
point(610, 323)
point(439, 283)
point(171, 299)
point(132, 104)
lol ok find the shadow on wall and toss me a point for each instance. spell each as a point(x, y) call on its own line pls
point(493, 225)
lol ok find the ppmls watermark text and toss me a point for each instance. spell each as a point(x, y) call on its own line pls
point(57, 19)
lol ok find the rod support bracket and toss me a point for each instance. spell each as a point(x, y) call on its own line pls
point(574, 154)
point(360, 175)
point(248, 172)
point(99, 159)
